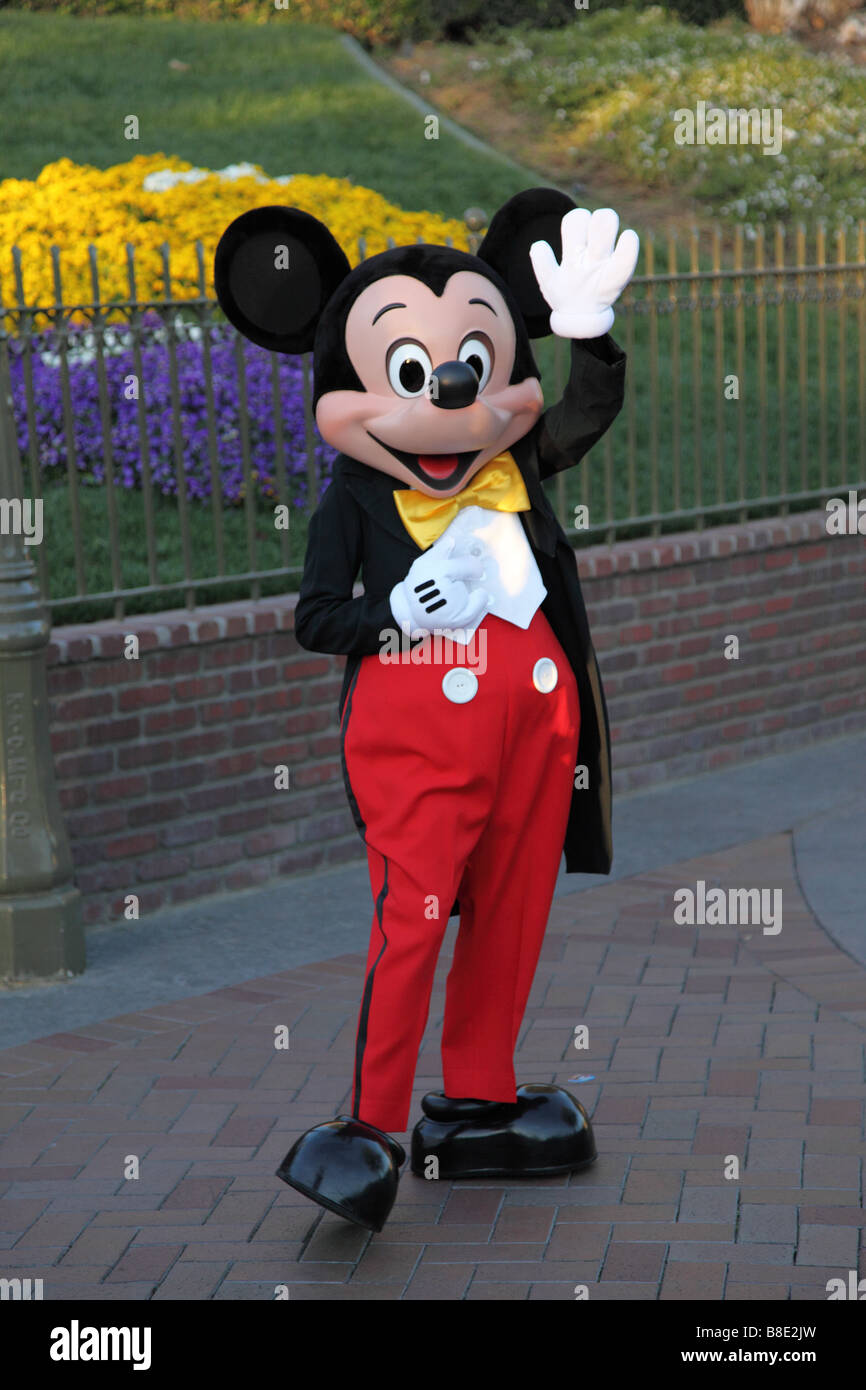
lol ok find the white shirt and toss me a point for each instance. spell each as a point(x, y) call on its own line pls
point(511, 575)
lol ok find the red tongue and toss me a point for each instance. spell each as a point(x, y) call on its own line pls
point(438, 465)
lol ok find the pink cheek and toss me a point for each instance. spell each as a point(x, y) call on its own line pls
point(338, 421)
point(530, 397)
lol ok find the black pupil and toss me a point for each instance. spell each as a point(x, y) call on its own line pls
point(476, 364)
point(412, 374)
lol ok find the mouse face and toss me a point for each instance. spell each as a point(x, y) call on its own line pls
point(437, 400)
point(422, 359)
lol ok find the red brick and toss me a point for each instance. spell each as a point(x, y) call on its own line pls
point(112, 730)
point(84, 764)
point(170, 721)
point(131, 846)
point(201, 745)
point(171, 778)
point(184, 662)
point(199, 687)
point(225, 710)
point(144, 695)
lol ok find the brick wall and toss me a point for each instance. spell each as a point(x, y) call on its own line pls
point(166, 763)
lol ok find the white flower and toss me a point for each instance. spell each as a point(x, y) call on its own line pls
point(240, 171)
point(163, 179)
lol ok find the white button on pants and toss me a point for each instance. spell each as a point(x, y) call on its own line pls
point(545, 675)
point(459, 685)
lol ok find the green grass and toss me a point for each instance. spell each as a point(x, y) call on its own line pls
point(284, 95)
point(59, 556)
point(824, 437)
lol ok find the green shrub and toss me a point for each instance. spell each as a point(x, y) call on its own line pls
point(381, 21)
point(698, 11)
point(372, 21)
point(459, 19)
point(181, 9)
point(389, 21)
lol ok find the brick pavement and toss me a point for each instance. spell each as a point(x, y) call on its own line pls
point(705, 1042)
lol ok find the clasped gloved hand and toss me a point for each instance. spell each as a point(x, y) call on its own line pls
point(436, 593)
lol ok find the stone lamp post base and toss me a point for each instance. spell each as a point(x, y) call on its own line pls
point(41, 936)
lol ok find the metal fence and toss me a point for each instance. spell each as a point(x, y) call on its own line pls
point(746, 396)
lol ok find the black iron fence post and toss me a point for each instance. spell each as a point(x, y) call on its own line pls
point(41, 933)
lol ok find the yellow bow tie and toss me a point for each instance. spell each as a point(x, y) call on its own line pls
point(497, 486)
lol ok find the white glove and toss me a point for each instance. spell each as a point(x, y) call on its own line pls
point(581, 288)
point(434, 594)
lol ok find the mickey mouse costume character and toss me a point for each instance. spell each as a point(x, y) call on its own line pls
point(463, 786)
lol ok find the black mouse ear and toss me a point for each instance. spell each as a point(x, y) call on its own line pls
point(534, 215)
point(275, 269)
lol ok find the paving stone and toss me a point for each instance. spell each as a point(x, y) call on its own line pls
point(686, 1280)
point(18, 1214)
point(636, 1261)
point(333, 1239)
point(832, 1170)
point(774, 1155)
point(439, 1282)
point(774, 1293)
point(480, 1292)
point(389, 1263)
point(651, 1187)
point(631, 1212)
point(191, 1282)
point(582, 1240)
point(828, 1245)
point(97, 1247)
point(470, 1207)
point(617, 1291)
point(750, 1252)
point(767, 1222)
point(144, 1262)
point(282, 1271)
point(670, 1124)
point(60, 1228)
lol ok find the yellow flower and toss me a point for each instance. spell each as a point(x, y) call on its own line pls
point(75, 207)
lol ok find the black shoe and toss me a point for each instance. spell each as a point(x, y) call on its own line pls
point(348, 1167)
point(546, 1132)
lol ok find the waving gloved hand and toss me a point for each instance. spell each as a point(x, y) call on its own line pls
point(594, 270)
point(435, 595)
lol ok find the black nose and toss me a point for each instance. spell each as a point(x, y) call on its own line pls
point(453, 385)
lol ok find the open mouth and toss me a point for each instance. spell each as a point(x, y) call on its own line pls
point(442, 470)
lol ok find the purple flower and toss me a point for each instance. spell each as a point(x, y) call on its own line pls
point(154, 408)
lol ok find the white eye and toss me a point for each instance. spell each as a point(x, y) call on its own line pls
point(409, 369)
point(479, 355)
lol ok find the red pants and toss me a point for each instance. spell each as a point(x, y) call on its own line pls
point(465, 800)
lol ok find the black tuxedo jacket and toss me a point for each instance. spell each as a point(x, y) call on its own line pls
point(357, 529)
